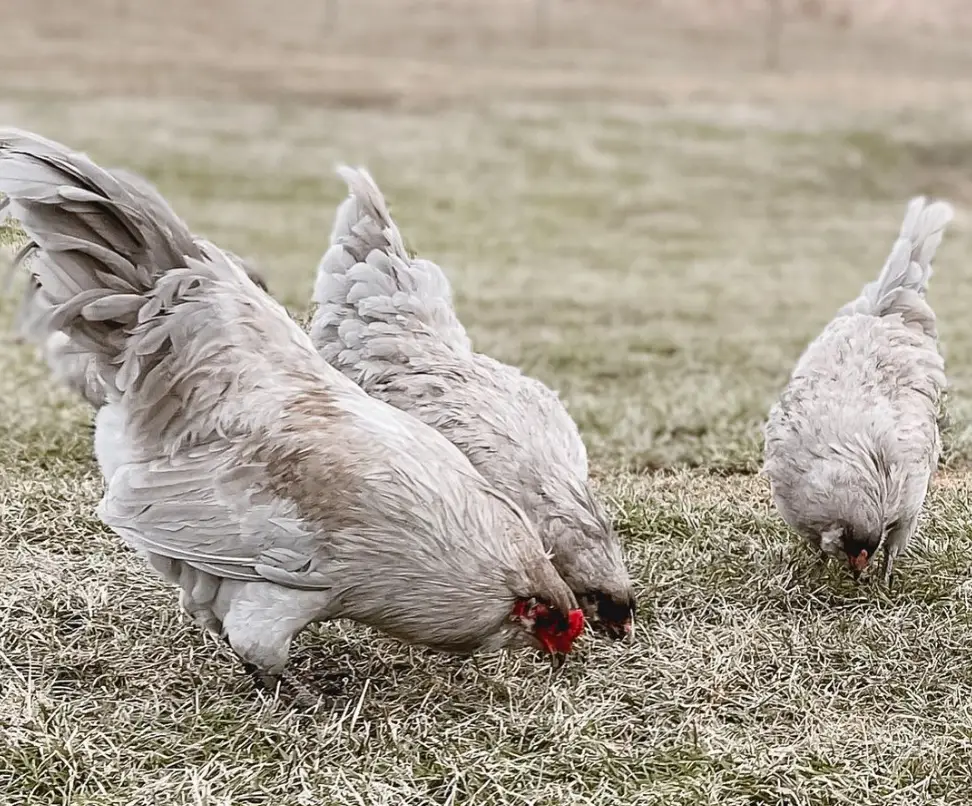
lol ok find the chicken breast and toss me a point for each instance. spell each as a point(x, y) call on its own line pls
point(386, 320)
point(853, 442)
point(249, 473)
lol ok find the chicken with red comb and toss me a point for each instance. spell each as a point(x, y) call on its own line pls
point(246, 471)
point(385, 319)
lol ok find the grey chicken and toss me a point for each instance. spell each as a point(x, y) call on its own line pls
point(71, 365)
point(853, 442)
point(248, 472)
point(386, 320)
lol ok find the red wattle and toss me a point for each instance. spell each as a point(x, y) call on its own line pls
point(575, 623)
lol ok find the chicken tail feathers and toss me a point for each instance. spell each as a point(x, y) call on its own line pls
point(151, 199)
point(72, 364)
point(901, 287)
point(92, 251)
point(369, 288)
point(28, 322)
point(134, 299)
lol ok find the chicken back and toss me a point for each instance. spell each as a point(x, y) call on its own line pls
point(386, 320)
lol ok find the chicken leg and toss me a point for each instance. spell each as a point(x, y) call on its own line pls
point(896, 542)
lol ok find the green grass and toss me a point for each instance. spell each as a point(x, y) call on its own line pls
point(662, 263)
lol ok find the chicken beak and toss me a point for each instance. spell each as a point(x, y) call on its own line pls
point(858, 563)
point(617, 631)
point(557, 660)
point(625, 631)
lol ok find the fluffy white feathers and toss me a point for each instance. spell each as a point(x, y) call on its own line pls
point(853, 441)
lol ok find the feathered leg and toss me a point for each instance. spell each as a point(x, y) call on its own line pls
point(260, 624)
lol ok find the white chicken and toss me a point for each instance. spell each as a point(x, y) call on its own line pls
point(853, 442)
point(71, 365)
point(265, 485)
point(386, 321)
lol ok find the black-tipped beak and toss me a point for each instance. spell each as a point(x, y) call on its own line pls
point(616, 631)
point(557, 659)
point(614, 618)
point(857, 564)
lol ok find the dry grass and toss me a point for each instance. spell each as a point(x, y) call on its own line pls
point(656, 233)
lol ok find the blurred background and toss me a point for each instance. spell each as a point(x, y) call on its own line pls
point(642, 201)
point(420, 52)
point(651, 204)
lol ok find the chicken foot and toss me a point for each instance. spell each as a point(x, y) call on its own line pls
point(302, 694)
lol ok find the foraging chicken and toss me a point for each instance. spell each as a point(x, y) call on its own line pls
point(70, 365)
point(386, 321)
point(263, 483)
point(853, 442)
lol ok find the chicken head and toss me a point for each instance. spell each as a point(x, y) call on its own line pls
point(548, 627)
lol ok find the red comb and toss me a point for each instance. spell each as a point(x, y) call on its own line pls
point(562, 642)
point(550, 635)
point(575, 623)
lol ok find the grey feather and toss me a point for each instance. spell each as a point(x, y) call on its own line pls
point(900, 289)
point(853, 442)
point(70, 363)
point(272, 490)
point(386, 320)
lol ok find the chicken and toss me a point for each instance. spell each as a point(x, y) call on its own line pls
point(853, 442)
point(386, 321)
point(70, 365)
point(264, 484)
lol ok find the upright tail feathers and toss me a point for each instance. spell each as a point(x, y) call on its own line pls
point(372, 297)
point(900, 288)
point(72, 364)
point(107, 264)
point(151, 198)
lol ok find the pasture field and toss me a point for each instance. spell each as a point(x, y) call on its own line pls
point(633, 211)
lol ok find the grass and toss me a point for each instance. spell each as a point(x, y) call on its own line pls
point(659, 243)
